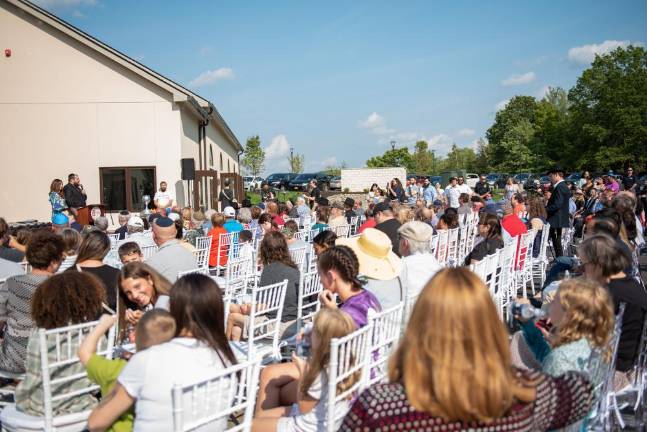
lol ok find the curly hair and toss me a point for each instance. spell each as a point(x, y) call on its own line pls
point(588, 313)
point(343, 260)
point(67, 298)
point(537, 208)
point(274, 248)
point(44, 248)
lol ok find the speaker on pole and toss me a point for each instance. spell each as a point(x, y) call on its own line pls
point(188, 169)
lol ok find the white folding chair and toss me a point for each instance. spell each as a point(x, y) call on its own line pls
point(491, 266)
point(342, 230)
point(347, 367)
point(203, 242)
point(601, 374)
point(148, 251)
point(452, 247)
point(384, 337)
point(298, 256)
point(114, 238)
point(56, 364)
point(505, 278)
point(479, 269)
point(210, 402)
point(354, 225)
point(441, 248)
point(433, 245)
point(523, 269)
point(225, 240)
point(540, 263)
point(462, 244)
point(237, 275)
point(200, 270)
point(301, 235)
point(264, 328)
point(308, 301)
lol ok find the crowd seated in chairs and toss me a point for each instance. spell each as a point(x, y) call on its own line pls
point(298, 319)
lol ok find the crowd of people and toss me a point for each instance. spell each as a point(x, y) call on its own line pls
point(457, 366)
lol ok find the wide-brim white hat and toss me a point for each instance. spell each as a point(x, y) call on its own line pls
point(374, 253)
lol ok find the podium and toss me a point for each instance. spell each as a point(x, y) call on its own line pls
point(86, 215)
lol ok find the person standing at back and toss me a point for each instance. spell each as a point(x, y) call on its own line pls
point(74, 193)
point(162, 198)
point(226, 196)
point(557, 208)
point(452, 192)
point(388, 224)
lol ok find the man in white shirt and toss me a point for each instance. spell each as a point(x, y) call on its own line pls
point(464, 187)
point(418, 263)
point(452, 192)
point(337, 217)
point(162, 198)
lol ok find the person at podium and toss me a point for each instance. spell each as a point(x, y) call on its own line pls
point(162, 198)
point(74, 193)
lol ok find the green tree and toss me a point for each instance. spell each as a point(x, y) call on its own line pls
point(609, 111)
point(551, 143)
point(254, 156)
point(482, 162)
point(296, 162)
point(460, 158)
point(422, 158)
point(335, 170)
point(516, 145)
point(515, 121)
point(399, 157)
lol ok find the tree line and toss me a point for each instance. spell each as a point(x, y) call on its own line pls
point(599, 124)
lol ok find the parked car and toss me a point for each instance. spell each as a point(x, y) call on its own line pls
point(300, 182)
point(471, 179)
point(497, 180)
point(280, 180)
point(252, 183)
point(436, 179)
point(545, 181)
point(522, 177)
point(532, 182)
point(335, 183)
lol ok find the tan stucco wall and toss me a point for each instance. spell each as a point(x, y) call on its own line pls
point(65, 108)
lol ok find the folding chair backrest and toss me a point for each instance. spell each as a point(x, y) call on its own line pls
point(601, 372)
point(114, 238)
point(210, 402)
point(202, 257)
point(347, 366)
point(200, 270)
point(342, 230)
point(452, 246)
point(479, 269)
point(385, 335)
point(523, 245)
point(203, 242)
point(433, 244)
point(228, 250)
point(148, 251)
point(309, 290)
point(301, 235)
point(237, 274)
point(492, 262)
point(265, 315)
point(462, 243)
point(441, 248)
point(298, 256)
point(58, 357)
point(543, 246)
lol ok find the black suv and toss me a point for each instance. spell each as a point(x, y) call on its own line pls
point(280, 180)
point(300, 182)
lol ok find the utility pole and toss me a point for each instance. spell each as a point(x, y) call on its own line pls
point(291, 159)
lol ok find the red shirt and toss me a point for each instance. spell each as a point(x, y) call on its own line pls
point(279, 220)
point(513, 225)
point(370, 223)
point(216, 249)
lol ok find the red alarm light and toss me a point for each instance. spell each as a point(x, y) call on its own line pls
point(7, 52)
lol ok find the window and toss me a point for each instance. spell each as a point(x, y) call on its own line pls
point(228, 167)
point(221, 165)
point(210, 156)
point(123, 187)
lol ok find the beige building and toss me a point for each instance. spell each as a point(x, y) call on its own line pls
point(72, 104)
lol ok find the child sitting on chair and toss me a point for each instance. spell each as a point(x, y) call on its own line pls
point(130, 252)
point(155, 327)
point(308, 413)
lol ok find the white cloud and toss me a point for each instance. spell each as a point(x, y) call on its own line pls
point(542, 92)
point(212, 76)
point(60, 4)
point(585, 54)
point(374, 120)
point(465, 133)
point(376, 124)
point(278, 148)
point(499, 106)
point(515, 80)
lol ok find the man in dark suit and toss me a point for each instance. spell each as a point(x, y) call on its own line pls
point(75, 195)
point(557, 208)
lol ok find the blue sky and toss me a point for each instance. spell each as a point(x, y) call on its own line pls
point(339, 80)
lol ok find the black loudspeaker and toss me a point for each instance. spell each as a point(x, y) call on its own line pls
point(188, 169)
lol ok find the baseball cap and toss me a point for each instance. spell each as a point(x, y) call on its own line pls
point(229, 211)
point(135, 221)
point(382, 206)
point(416, 230)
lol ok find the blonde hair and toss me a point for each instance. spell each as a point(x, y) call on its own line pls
point(454, 358)
point(328, 324)
point(404, 214)
point(588, 313)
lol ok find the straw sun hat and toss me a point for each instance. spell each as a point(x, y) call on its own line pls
point(373, 250)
